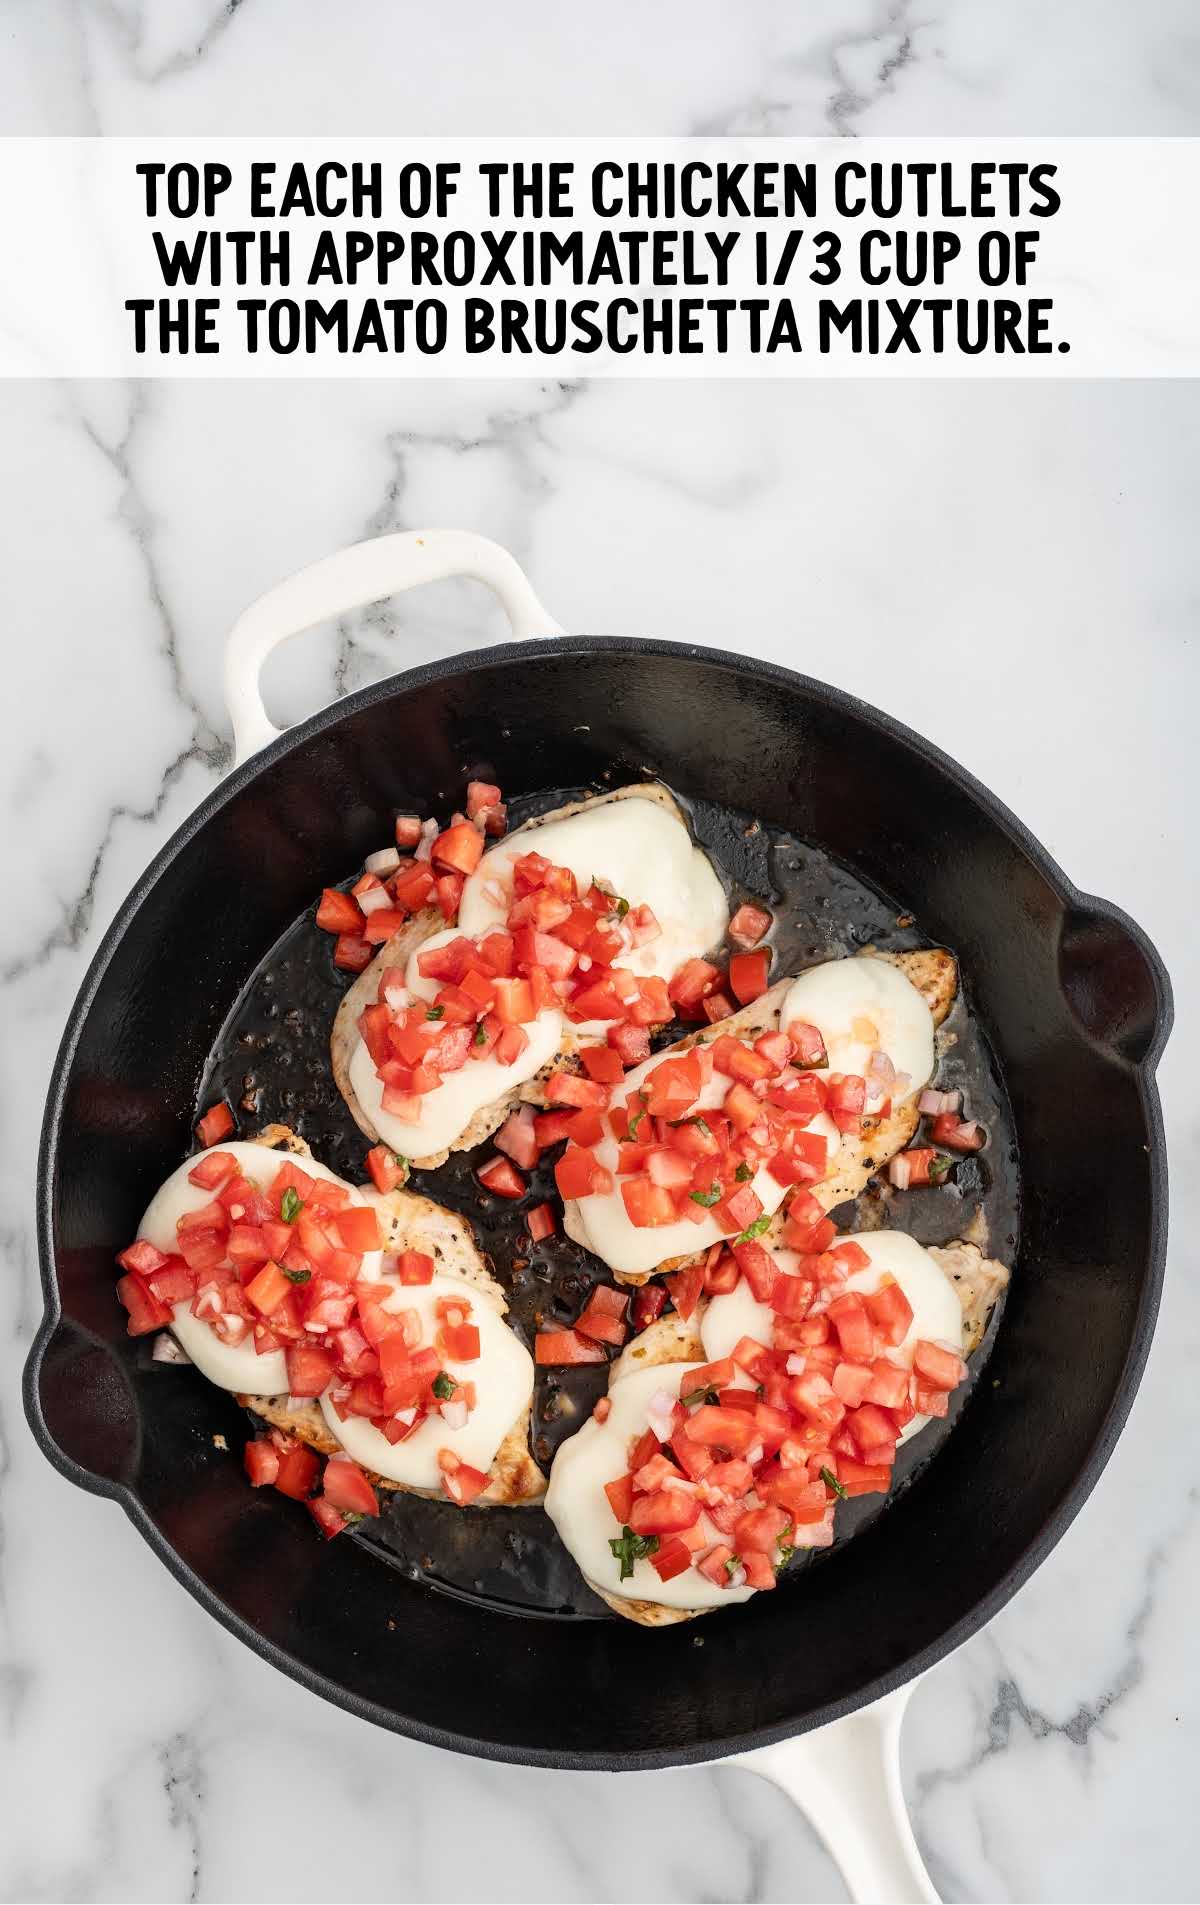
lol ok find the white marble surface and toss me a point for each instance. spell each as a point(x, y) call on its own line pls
point(1013, 571)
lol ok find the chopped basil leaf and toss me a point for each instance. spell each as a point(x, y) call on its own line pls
point(940, 1169)
point(351, 1521)
point(443, 1386)
point(435, 1011)
point(290, 1205)
point(622, 908)
point(733, 1564)
point(628, 1548)
point(743, 1174)
point(698, 1395)
point(297, 1276)
point(693, 1118)
point(707, 1198)
point(831, 1481)
point(755, 1229)
point(636, 1120)
point(480, 1034)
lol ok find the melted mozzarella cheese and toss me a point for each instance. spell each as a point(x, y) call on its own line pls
point(579, 1508)
point(503, 1378)
point(859, 1005)
point(231, 1366)
point(937, 1312)
point(625, 1246)
point(638, 849)
point(447, 1111)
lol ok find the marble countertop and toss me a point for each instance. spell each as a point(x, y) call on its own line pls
point(1012, 570)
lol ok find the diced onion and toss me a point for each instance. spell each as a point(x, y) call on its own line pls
point(375, 899)
point(405, 1416)
point(167, 1350)
point(396, 998)
point(659, 1412)
point(385, 861)
point(899, 1172)
point(933, 1104)
point(737, 1576)
point(880, 1075)
point(454, 1414)
point(429, 833)
point(796, 1365)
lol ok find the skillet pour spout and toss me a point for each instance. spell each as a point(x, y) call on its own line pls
point(1073, 999)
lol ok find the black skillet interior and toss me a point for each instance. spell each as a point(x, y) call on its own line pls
point(1076, 1005)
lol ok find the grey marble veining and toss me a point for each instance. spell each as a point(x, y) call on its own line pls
point(1012, 571)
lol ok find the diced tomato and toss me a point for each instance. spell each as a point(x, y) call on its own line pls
point(757, 1266)
point(759, 1530)
point(338, 912)
point(353, 953)
point(932, 1402)
point(449, 888)
point(753, 1357)
point(500, 1177)
point(563, 1348)
point(602, 1064)
point(809, 1239)
point(937, 1368)
point(808, 1044)
point(358, 1228)
point(861, 1478)
point(142, 1257)
point(748, 976)
point(716, 1006)
point(748, 925)
point(298, 1468)
point(213, 1170)
point(460, 1342)
point(855, 1333)
point(955, 1134)
point(413, 885)
point(722, 1428)
point(310, 1369)
point(715, 1564)
point(686, 1287)
point(267, 1290)
point(260, 1459)
point(345, 1485)
point(649, 1302)
point(870, 1427)
point(888, 1385)
point(620, 1497)
point(513, 1040)
point(851, 1382)
point(603, 1318)
point(541, 1222)
point(718, 1375)
point(408, 830)
point(740, 1208)
point(460, 848)
point(146, 1312)
point(672, 1559)
point(567, 1088)
point(480, 796)
point(579, 1173)
point(630, 1042)
point(813, 1396)
point(647, 1204)
point(329, 1519)
point(735, 1059)
point(381, 925)
point(387, 1170)
point(846, 1098)
point(791, 1297)
point(217, 1123)
point(664, 1513)
point(517, 1138)
point(694, 979)
point(514, 1001)
point(463, 1483)
point(665, 1166)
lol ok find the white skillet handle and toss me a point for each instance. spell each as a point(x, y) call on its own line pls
point(846, 1778)
point(366, 572)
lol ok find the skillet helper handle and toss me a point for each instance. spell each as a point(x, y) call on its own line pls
point(846, 1778)
point(366, 572)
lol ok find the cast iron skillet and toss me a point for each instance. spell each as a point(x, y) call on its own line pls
point(1073, 996)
